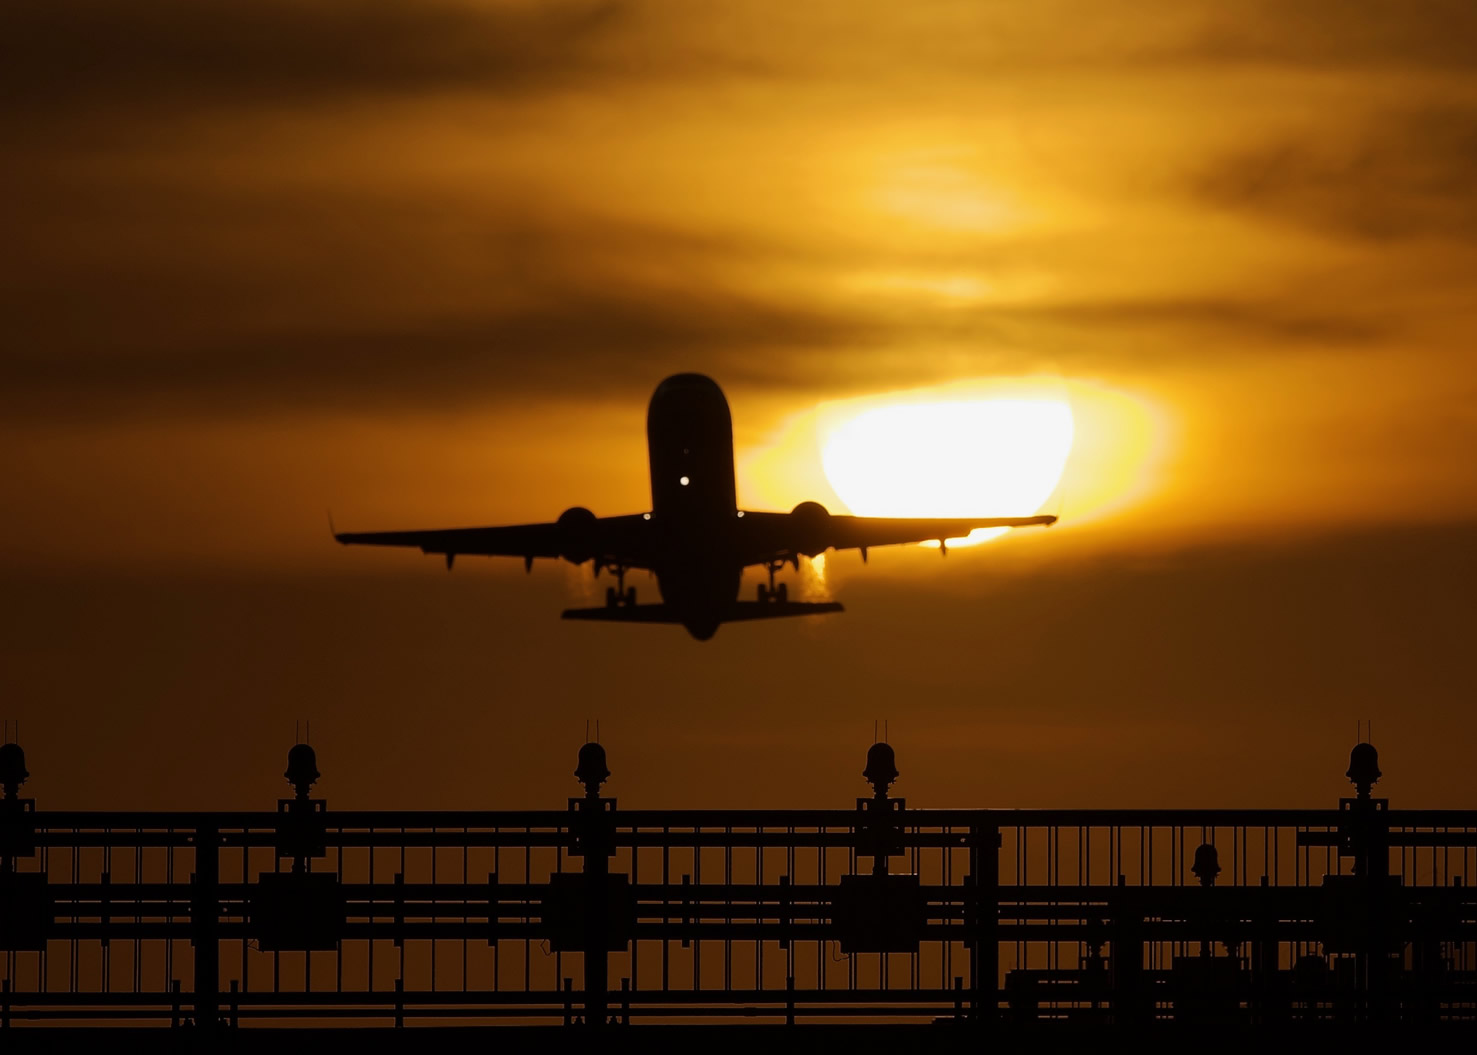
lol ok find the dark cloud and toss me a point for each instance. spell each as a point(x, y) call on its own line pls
point(177, 54)
point(185, 271)
point(1347, 34)
point(1402, 174)
point(180, 55)
point(1303, 35)
point(551, 305)
point(1159, 329)
point(560, 324)
point(588, 342)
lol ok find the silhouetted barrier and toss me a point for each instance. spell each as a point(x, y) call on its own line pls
point(596, 915)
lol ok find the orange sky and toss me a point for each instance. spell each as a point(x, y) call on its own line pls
point(423, 263)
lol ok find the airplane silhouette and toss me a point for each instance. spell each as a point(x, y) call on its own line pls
point(695, 539)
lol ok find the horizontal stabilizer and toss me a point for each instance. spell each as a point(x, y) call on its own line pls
point(739, 611)
point(777, 609)
point(628, 613)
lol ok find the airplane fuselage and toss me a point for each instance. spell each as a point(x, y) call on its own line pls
point(694, 501)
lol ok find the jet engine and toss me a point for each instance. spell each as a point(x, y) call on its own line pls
point(576, 528)
point(812, 528)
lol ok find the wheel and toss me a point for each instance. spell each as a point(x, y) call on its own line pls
point(784, 592)
point(763, 593)
point(631, 595)
point(610, 601)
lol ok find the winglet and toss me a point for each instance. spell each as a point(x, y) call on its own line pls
point(332, 530)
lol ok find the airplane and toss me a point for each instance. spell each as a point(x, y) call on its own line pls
point(696, 540)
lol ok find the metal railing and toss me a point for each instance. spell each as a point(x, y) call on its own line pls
point(597, 915)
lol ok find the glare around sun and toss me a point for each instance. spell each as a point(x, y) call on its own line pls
point(950, 458)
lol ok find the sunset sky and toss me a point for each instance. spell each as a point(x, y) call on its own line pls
point(422, 263)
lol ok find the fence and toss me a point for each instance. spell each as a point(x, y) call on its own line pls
point(597, 915)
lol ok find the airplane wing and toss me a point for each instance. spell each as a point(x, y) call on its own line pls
point(625, 540)
point(811, 530)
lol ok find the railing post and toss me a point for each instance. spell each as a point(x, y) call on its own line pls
point(205, 921)
point(593, 839)
point(597, 896)
point(982, 920)
point(1127, 942)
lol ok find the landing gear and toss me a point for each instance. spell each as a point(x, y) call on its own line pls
point(619, 596)
point(773, 594)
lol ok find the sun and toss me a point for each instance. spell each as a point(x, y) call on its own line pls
point(968, 450)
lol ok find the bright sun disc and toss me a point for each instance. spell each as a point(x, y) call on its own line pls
point(949, 458)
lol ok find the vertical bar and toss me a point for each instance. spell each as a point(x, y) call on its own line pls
point(245, 878)
point(497, 870)
point(635, 973)
point(338, 953)
point(466, 879)
point(1127, 960)
point(527, 915)
point(205, 921)
point(786, 915)
point(983, 915)
point(727, 907)
point(369, 958)
point(759, 912)
point(667, 909)
point(169, 879)
point(820, 945)
point(697, 945)
point(597, 872)
point(138, 945)
point(105, 918)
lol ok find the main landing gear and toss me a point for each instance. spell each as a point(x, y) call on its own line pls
point(619, 596)
point(773, 594)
